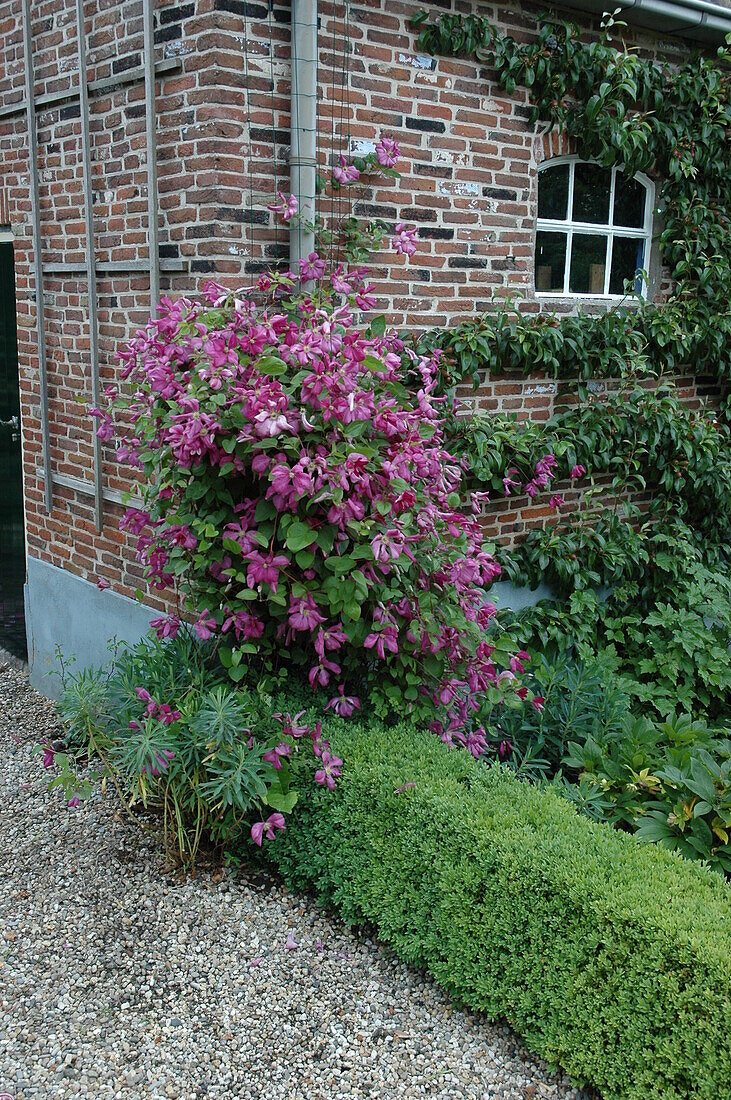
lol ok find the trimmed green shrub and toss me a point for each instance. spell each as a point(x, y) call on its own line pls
point(609, 957)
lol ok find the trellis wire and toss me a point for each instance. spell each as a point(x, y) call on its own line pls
point(250, 235)
point(331, 224)
point(270, 7)
point(344, 92)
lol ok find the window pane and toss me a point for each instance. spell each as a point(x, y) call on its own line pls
point(591, 194)
point(550, 261)
point(553, 192)
point(588, 262)
point(629, 202)
point(627, 259)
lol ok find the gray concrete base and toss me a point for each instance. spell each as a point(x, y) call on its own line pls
point(63, 610)
point(508, 596)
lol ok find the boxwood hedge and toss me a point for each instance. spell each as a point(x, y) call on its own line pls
point(610, 958)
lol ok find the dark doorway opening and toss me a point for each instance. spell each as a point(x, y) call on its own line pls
point(12, 532)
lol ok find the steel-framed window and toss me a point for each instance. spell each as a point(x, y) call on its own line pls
point(593, 230)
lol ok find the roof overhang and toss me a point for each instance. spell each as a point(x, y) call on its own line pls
point(697, 20)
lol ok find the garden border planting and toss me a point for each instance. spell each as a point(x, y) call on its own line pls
point(609, 957)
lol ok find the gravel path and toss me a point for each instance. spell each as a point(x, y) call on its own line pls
point(117, 980)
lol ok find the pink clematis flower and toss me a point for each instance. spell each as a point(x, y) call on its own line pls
point(345, 173)
point(167, 626)
point(264, 570)
point(205, 626)
point(277, 754)
point(330, 770)
point(286, 207)
point(387, 152)
point(105, 431)
point(344, 705)
point(577, 472)
point(303, 613)
point(313, 267)
point(267, 828)
point(509, 481)
point(292, 727)
point(386, 639)
point(404, 240)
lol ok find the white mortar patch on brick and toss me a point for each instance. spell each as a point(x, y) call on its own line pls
point(417, 61)
point(540, 387)
point(460, 187)
point(362, 146)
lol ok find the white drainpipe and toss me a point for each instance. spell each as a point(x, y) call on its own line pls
point(303, 154)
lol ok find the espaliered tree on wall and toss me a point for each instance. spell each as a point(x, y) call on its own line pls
point(621, 109)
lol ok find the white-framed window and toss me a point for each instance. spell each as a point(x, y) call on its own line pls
point(593, 231)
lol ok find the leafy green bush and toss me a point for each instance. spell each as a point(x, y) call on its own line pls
point(665, 626)
point(609, 957)
point(667, 781)
point(173, 734)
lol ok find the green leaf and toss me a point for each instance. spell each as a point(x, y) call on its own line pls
point(271, 364)
point(277, 800)
point(371, 363)
point(300, 536)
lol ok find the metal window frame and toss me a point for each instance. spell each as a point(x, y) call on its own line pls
point(608, 231)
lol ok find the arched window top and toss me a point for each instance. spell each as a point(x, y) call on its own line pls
point(593, 231)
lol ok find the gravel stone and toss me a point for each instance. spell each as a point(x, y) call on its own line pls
point(120, 979)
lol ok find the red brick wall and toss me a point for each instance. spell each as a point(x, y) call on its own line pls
point(468, 182)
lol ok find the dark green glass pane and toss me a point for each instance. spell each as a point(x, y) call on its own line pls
point(627, 259)
point(592, 185)
point(588, 263)
point(550, 261)
point(629, 202)
point(553, 192)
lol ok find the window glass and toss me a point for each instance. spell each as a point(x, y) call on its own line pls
point(627, 260)
point(629, 202)
point(553, 192)
point(550, 261)
point(588, 263)
point(593, 235)
point(592, 186)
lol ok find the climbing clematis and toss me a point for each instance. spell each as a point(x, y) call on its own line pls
point(330, 770)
